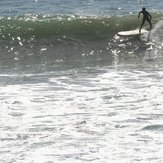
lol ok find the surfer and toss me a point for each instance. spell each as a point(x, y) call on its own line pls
point(146, 17)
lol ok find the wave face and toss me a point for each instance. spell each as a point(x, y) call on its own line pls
point(40, 38)
point(46, 26)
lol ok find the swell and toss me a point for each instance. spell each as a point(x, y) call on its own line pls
point(41, 26)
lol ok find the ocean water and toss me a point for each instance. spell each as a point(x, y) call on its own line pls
point(72, 90)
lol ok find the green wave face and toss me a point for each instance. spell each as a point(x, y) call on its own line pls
point(41, 26)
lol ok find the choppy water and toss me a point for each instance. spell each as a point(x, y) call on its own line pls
point(72, 90)
point(92, 114)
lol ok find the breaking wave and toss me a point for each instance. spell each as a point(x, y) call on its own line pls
point(38, 38)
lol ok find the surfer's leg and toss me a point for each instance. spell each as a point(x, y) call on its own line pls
point(149, 21)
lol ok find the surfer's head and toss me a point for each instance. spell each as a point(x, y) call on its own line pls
point(143, 9)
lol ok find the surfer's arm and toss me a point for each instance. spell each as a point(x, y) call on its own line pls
point(150, 16)
point(139, 13)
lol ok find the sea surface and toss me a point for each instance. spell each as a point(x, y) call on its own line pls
point(72, 90)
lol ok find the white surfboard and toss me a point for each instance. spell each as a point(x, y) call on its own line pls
point(132, 32)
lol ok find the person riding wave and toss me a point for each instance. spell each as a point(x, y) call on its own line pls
point(146, 17)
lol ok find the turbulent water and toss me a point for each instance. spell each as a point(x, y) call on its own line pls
point(73, 90)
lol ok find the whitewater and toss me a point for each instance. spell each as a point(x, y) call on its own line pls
point(73, 90)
